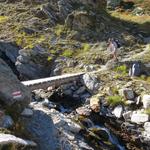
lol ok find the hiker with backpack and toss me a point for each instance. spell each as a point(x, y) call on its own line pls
point(113, 46)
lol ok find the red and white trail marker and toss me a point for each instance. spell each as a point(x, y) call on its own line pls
point(16, 94)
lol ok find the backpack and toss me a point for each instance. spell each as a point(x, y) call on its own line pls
point(118, 43)
point(135, 69)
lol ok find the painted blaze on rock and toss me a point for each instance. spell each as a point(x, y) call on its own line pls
point(13, 94)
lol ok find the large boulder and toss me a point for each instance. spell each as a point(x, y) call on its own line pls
point(33, 63)
point(91, 82)
point(13, 95)
point(79, 20)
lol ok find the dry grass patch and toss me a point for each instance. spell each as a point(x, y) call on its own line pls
point(131, 18)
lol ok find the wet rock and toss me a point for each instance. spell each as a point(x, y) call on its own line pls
point(13, 94)
point(118, 111)
point(27, 112)
point(85, 96)
point(128, 93)
point(68, 92)
point(81, 90)
point(48, 104)
point(41, 128)
point(146, 101)
point(145, 138)
point(83, 111)
point(61, 121)
point(91, 82)
point(127, 115)
point(84, 145)
point(7, 122)
point(139, 118)
point(68, 135)
point(76, 96)
point(6, 139)
point(95, 104)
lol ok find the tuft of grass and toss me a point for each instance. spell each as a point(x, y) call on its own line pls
point(28, 41)
point(114, 100)
point(147, 111)
point(3, 19)
point(67, 53)
point(86, 47)
point(49, 58)
point(121, 69)
point(59, 30)
point(131, 18)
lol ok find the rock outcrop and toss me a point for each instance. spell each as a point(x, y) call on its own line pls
point(33, 63)
point(10, 50)
point(14, 95)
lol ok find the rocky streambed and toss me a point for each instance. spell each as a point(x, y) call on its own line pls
point(96, 112)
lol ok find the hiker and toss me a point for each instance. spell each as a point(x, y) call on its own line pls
point(113, 47)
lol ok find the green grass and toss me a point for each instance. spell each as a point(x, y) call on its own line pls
point(67, 53)
point(121, 69)
point(147, 111)
point(3, 19)
point(86, 47)
point(59, 30)
point(114, 100)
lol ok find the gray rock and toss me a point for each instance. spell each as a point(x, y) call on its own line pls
point(41, 128)
point(91, 82)
point(8, 122)
point(139, 118)
point(27, 112)
point(13, 94)
point(57, 71)
point(68, 92)
point(113, 3)
point(147, 127)
point(32, 63)
point(127, 115)
point(127, 93)
point(89, 68)
point(83, 111)
point(81, 90)
point(85, 96)
point(61, 121)
point(146, 101)
point(138, 11)
point(10, 50)
point(6, 139)
point(118, 111)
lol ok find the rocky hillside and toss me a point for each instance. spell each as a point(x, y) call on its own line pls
point(106, 108)
point(43, 37)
